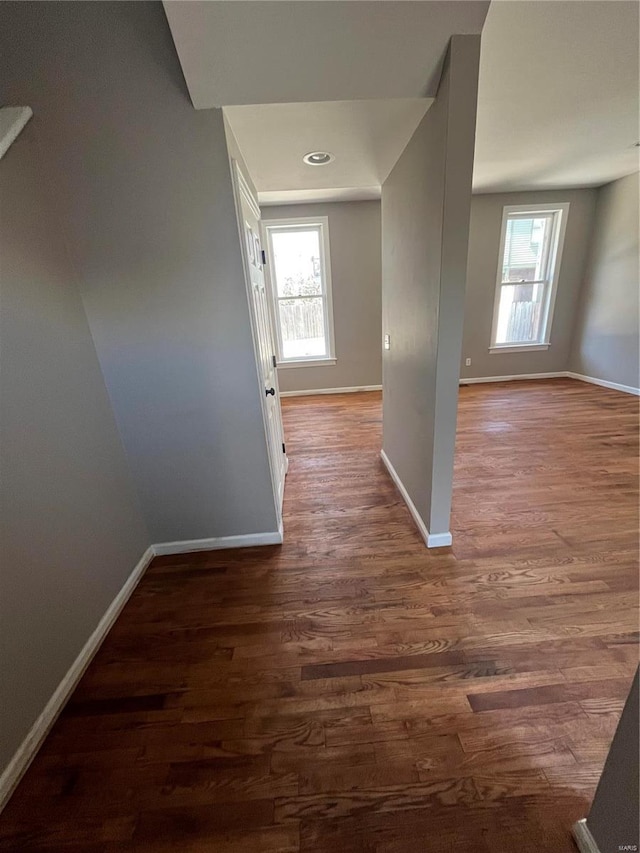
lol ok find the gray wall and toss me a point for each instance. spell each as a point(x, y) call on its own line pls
point(425, 220)
point(355, 242)
point(354, 237)
point(613, 818)
point(484, 247)
point(606, 338)
point(145, 185)
point(71, 526)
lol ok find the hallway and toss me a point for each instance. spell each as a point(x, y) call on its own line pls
point(352, 691)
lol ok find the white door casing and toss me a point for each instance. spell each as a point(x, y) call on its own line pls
point(249, 222)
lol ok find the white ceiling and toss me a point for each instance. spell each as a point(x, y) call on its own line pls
point(558, 95)
point(292, 51)
point(557, 105)
point(366, 137)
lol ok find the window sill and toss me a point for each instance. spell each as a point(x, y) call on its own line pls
point(310, 362)
point(518, 348)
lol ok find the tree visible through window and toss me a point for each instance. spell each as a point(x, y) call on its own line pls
point(300, 289)
point(527, 276)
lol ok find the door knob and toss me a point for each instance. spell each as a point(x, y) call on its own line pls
point(271, 391)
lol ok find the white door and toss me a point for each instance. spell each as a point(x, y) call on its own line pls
point(263, 333)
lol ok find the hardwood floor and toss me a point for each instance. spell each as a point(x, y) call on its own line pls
point(352, 691)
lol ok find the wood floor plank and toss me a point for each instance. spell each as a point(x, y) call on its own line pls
point(201, 822)
point(548, 694)
point(351, 690)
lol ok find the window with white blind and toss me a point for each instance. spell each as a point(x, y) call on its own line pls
point(530, 253)
point(299, 273)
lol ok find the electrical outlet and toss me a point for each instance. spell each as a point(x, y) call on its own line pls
point(387, 342)
point(467, 361)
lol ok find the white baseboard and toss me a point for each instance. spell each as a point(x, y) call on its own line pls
point(615, 386)
point(585, 841)
point(432, 540)
point(31, 744)
point(349, 390)
point(562, 374)
point(439, 540)
point(476, 379)
point(247, 540)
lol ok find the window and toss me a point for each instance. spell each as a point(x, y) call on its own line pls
point(300, 284)
point(530, 252)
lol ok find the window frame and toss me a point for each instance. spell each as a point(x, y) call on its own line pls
point(560, 212)
point(321, 223)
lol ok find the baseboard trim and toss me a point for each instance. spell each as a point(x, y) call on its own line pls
point(439, 540)
point(478, 379)
point(350, 390)
point(31, 744)
point(583, 838)
point(475, 380)
point(615, 386)
point(28, 749)
point(432, 540)
point(246, 540)
point(562, 374)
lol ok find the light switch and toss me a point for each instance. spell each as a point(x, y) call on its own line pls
point(387, 342)
point(467, 361)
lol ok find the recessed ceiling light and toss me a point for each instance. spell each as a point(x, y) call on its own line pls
point(318, 158)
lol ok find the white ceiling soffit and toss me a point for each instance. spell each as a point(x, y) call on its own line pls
point(320, 50)
point(366, 138)
point(558, 95)
point(268, 199)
